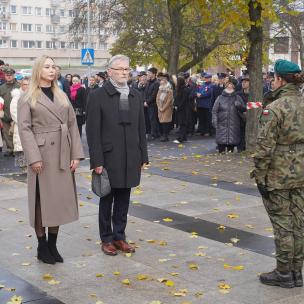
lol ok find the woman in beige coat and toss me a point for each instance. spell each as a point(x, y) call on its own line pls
point(164, 101)
point(51, 143)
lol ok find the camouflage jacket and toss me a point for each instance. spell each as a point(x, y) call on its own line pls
point(279, 156)
point(5, 93)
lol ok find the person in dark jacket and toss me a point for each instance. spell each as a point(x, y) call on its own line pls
point(140, 86)
point(181, 104)
point(220, 87)
point(151, 91)
point(63, 83)
point(204, 95)
point(226, 119)
point(78, 100)
point(244, 94)
point(115, 128)
point(2, 77)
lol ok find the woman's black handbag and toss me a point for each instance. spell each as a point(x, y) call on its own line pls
point(100, 183)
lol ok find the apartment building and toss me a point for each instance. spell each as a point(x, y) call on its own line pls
point(31, 28)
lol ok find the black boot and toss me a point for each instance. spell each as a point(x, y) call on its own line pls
point(298, 279)
point(43, 252)
point(53, 248)
point(278, 278)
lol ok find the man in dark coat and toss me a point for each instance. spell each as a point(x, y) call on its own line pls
point(115, 128)
point(62, 82)
point(151, 91)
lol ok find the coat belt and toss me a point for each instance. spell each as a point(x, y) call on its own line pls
point(64, 143)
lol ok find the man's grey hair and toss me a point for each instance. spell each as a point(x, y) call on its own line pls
point(116, 58)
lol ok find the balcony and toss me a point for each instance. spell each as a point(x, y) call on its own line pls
point(5, 34)
point(5, 16)
point(55, 19)
point(4, 1)
point(55, 3)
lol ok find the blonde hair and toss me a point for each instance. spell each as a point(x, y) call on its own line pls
point(34, 91)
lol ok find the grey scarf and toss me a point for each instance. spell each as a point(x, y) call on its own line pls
point(124, 105)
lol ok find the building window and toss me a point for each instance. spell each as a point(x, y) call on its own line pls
point(62, 29)
point(62, 44)
point(13, 9)
point(49, 45)
point(103, 46)
point(26, 27)
point(26, 10)
point(50, 29)
point(2, 26)
point(38, 11)
point(13, 43)
point(281, 45)
point(71, 13)
point(28, 44)
point(13, 27)
point(3, 43)
point(2, 9)
point(38, 27)
point(49, 12)
point(61, 13)
point(39, 44)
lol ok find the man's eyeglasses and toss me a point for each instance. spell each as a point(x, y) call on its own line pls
point(121, 69)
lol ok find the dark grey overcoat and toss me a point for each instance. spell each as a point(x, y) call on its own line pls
point(121, 149)
point(226, 119)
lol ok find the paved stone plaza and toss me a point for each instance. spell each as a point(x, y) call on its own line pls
point(199, 238)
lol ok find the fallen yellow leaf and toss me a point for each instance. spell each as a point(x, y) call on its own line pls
point(155, 302)
point(163, 260)
point(116, 273)
point(169, 283)
point(93, 295)
point(224, 285)
point(54, 282)
point(15, 300)
point(141, 277)
point(167, 219)
point(201, 254)
point(233, 215)
point(174, 274)
point(137, 191)
point(26, 264)
point(221, 227)
point(249, 226)
point(193, 266)
point(126, 282)
point(234, 240)
point(163, 243)
point(99, 275)
point(2, 286)
point(13, 209)
point(238, 267)
point(47, 276)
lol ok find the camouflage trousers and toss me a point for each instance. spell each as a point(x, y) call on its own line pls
point(285, 209)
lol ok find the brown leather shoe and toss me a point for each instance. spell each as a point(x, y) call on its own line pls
point(123, 246)
point(108, 248)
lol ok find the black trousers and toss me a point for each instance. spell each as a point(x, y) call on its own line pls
point(182, 122)
point(166, 128)
point(204, 120)
point(112, 224)
point(154, 122)
point(147, 121)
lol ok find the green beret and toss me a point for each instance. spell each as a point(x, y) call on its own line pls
point(283, 67)
point(9, 71)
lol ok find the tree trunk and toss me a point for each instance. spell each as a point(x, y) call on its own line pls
point(255, 36)
point(301, 50)
point(176, 24)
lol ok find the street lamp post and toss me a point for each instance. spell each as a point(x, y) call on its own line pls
point(89, 35)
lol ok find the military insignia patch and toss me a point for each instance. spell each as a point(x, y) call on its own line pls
point(266, 112)
point(266, 115)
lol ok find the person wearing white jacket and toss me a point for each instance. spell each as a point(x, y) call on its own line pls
point(18, 151)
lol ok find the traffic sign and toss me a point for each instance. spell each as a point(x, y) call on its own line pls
point(87, 56)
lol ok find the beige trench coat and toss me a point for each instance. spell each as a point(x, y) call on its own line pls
point(165, 110)
point(49, 133)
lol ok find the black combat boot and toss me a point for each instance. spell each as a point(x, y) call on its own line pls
point(278, 278)
point(43, 252)
point(298, 279)
point(52, 240)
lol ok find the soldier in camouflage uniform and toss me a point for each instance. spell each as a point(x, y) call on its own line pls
point(279, 173)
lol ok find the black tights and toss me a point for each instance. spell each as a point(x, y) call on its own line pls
point(39, 229)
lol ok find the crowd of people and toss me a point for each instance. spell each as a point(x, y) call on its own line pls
point(199, 103)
